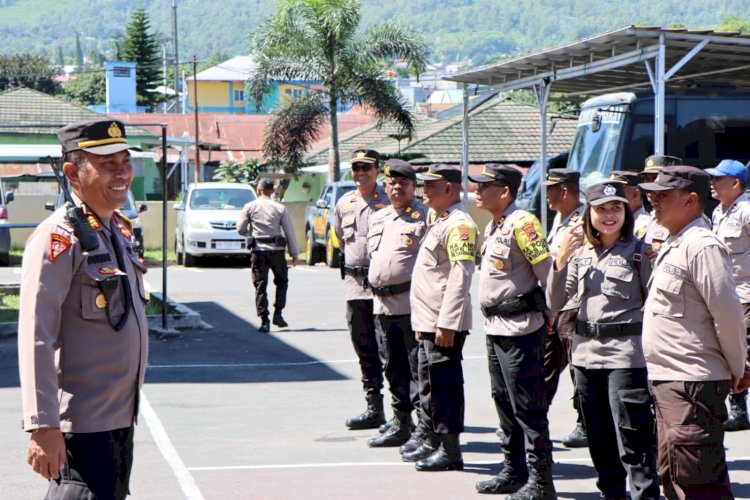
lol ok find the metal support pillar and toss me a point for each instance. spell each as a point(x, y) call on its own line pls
point(661, 84)
point(465, 149)
point(541, 91)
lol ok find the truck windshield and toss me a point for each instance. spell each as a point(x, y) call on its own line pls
point(595, 143)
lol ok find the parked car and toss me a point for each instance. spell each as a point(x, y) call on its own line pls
point(129, 210)
point(207, 221)
point(320, 238)
point(5, 198)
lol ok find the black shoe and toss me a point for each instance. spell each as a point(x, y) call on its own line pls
point(737, 419)
point(510, 479)
point(372, 417)
point(265, 326)
point(447, 457)
point(384, 428)
point(539, 486)
point(577, 438)
point(425, 450)
point(416, 439)
point(278, 320)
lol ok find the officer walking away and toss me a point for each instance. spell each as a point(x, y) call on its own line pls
point(731, 224)
point(693, 339)
point(354, 212)
point(634, 195)
point(609, 272)
point(262, 220)
point(82, 333)
point(563, 196)
point(515, 261)
point(652, 232)
point(441, 318)
point(394, 237)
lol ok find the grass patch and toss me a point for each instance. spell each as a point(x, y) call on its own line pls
point(155, 254)
point(9, 308)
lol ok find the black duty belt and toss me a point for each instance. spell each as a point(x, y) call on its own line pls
point(356, 270)
point(526, 303)
point(596, 330)
point(387, 291)
point(270, 239)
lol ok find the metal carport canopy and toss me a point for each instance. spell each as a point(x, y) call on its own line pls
point(632, 57)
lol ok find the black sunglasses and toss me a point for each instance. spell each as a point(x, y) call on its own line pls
point(361, 168)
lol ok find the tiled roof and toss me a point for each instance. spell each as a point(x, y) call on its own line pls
point(39, 113)
point(499, 131)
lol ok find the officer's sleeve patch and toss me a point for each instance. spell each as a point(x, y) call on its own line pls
point(461, 242)
point(57, 245)
point(531, 241)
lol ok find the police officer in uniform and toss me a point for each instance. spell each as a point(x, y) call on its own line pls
point(393, 239)
point(731, 223)
point(652, 232)
point(634, 196)
point(609, 273)
point(262, 220)
point(82, 334)
point(563, 196)
point(441, 318)
point(693, 339)
point(354, 212)
point(515, 260)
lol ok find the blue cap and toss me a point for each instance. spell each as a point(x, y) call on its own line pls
point(731, 168)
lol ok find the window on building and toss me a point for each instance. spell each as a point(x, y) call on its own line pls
point(239, 95)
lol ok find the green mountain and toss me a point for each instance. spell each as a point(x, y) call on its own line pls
point(483, 30)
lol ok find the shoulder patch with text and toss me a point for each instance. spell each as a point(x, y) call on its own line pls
point(462, 241)
point(529, 236)
point(57, 245)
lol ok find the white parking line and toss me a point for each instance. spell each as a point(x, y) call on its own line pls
point(267, 365)
point(187, 484)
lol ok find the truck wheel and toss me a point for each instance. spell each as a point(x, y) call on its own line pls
point(310, 249)
point(332, 254)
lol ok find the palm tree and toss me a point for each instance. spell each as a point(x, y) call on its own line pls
point(316, 40)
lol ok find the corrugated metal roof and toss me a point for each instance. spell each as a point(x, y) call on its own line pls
point(235, 69)
point(615, 60)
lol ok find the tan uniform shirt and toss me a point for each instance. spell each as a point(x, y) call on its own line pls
point(515, 259)
point(394, 238)
point(263, 218)
point(559, 225)
point(732, 226)
point(442, 273)
point(352, 222)
point(653, 234)
point(611, 287)
point(641, 221)
point(77, 372)
point(693, 324)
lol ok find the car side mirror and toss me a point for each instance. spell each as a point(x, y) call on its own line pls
point(596, 122)
point(9, 196)
point(142, 207)
point(49, 206)
point(179, 206)
point(321, 204)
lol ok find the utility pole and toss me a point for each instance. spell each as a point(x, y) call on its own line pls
point(197, 127)
point(164, 74)
point(176, 59)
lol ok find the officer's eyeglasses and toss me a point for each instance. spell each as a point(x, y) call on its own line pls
point(484, 185)
point(365, 167)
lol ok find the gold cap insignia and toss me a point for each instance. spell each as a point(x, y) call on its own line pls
point(114, 131)
point(387, 171)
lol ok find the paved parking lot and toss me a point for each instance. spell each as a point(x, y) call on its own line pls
point(229, 413)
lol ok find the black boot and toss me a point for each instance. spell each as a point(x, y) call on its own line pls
point(372, 417)
point(539, 485)
point(278, 320)
point(265, 326)
point(383, 428)
point(447, 457)
point(429, 446)
point(396, 435)
point(416, 439)
point(577, 438)
point(737, 419)
point(511, 478)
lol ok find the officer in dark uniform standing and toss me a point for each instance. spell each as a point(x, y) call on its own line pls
point(394, 238)
point(563, 196)
point(515, 260)
point(261, 221)
point(82, 332)
point(352, 222)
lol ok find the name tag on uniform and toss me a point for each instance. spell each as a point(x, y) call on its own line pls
point(673, 270)
point(617, 261)
point(586, 261)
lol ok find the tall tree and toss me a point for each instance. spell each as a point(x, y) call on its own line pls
point(79, 53)
point(141, 46)
point(28, 70)
point(60, 61)
point(317, 40)
point(86, 88)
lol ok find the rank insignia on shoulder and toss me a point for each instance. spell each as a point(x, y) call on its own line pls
point(57, 245)
point(445, 214)
point(375, 196)
point(416, 215)
point(656, 245)
point(93, 221)
point(100, 301)
point(575, 215)
point(125, 231)
point(408, 209)
point(379, 205)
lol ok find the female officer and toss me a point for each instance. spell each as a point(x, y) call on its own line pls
point(609, 273)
